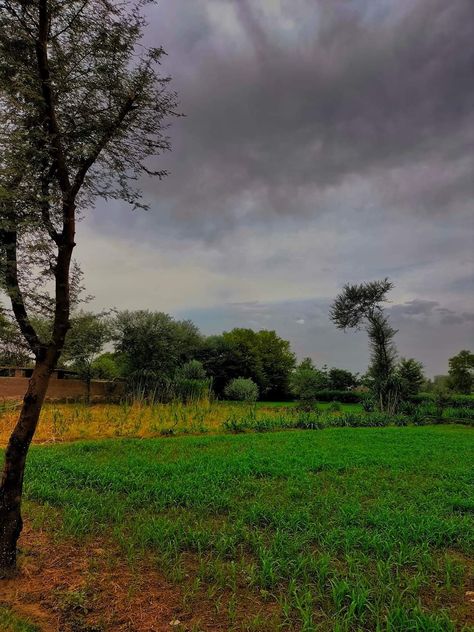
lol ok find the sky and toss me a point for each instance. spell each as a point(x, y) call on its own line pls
point(323, 142)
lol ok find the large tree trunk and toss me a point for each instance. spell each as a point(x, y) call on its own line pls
point(11, 486)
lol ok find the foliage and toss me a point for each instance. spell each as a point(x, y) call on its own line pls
point(360, 305)
point(84, 342)
point(191, 382)
point(341, 379)
point(105, 367)
point(192, 370)
point(153, 345)
point(13, 349)
point(411, 375)
point(241, 389)
point(262, 356)
point(461, 372)
point(307, 381)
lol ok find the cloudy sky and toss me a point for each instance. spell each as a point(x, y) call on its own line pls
point(325, 142)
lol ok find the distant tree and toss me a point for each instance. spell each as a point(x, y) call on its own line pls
point(360, 306)
point(84, 343)
point(154, 344)
point(341, 380)
point(246, 355)
point(106, 366)
point(306, 363)
point(242, 390)
point(262, 356)
point(306, 381)
point(461, 372)
point(277, 361)
point(411, 375)
point(222, 361)
point(82, 111)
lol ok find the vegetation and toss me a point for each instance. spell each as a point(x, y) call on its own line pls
point(241, 389)
point(461, 372)
point(359, 305)
point(261, 356)
point(346, 529)
point(82, 109)
point(411, 377)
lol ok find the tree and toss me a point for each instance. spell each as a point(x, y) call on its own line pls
point(84, 343)
point(82, 110)
point(341, 380)
point(461, 372)
point(191, 382)
point(411, 375)
point(262, 356)
point(154, 344)
point(306, 380)
point(360, 305)
point(105, 367)
point(277, 361)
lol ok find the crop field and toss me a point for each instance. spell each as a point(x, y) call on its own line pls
point(346, 529)
point(73, 421)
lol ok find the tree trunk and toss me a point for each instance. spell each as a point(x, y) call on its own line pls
point(11, 486)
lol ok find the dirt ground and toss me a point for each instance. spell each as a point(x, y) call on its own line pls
point(65, 587)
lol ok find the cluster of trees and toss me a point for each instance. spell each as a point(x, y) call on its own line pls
point(155, 352)
point(151, 349)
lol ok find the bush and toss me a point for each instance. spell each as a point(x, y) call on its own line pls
point(242, 390)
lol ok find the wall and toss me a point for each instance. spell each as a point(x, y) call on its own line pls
point(15, 388)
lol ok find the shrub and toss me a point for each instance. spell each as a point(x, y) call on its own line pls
point(242, 390)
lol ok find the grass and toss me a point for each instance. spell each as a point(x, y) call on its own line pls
point(11, 623)
point(349, 529)
point(76, 421)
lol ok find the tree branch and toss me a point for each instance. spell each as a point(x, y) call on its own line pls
point(9, 240)
point(87, 163)
point(50, 114)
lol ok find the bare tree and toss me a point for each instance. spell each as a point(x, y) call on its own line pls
point(83, 108)
point(360, 305)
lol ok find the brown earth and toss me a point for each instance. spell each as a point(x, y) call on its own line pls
point(63, 586)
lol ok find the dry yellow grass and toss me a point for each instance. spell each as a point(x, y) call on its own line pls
point(70, 422)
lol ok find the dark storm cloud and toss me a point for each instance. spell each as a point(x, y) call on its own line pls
point(325, 142)
point(287, 106)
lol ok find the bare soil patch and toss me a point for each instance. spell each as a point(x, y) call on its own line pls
point(63, 586)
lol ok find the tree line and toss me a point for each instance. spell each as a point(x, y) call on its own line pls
point(153, 352)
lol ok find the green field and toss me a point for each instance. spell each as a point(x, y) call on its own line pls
point(343, 529)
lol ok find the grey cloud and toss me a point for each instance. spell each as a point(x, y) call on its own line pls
point(273, 124)
point(324, 141)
